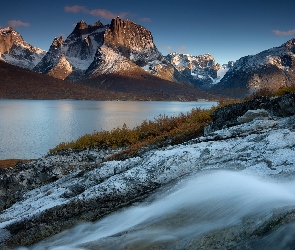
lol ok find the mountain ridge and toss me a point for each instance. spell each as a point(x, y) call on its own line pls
point(94, 52)
point(268, 70)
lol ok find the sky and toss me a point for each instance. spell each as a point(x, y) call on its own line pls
point(227, 29)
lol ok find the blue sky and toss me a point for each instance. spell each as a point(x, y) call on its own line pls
point(227, 29)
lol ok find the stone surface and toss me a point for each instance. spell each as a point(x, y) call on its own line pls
point(275, 106)
point(250, 115)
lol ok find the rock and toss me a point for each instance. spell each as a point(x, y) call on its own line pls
point(250, 115)
point(227, 116)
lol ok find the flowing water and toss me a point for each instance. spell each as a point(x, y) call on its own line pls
point(29, 128)
point(175, 217)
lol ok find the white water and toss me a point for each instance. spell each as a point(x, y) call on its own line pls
point(194, 206)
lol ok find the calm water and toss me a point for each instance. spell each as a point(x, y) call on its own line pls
point(29, 128)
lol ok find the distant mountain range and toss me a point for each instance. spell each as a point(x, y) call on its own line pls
point(122, 57)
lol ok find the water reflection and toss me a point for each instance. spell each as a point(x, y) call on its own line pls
point(29, 128)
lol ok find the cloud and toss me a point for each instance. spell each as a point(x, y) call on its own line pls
point(102, 13)
point(182, 48)
point(106, 14)
point(145, 19)
point(76, 9)
point(17, 23)
point(166, 47)
point(284, 33)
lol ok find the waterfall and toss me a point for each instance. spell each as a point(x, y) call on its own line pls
point(183, 214)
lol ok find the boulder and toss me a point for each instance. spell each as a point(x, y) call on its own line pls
point(250, 115)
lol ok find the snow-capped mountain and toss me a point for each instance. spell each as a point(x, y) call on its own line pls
point(122, 45)
point(16, 51)
point(74, 55)
point(201, 71)
point(269, 69)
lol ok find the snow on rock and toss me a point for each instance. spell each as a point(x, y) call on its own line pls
point(78, 49)
point(201, 70)
point(108, 61)
point(220, 73)
point(62, 69)
point(16, 51)
point(280, 57)
point(269, 70)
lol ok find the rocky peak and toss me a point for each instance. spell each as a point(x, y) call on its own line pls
point(8, 38)
point(268, 70)
point(290, 43)
point(57, 42)
point(98, 24)
point(116, 25)
point(6, 30)
point(82, 28)
point(200, 70)
point(15, 50)
point(132, 41)
point(81, 25)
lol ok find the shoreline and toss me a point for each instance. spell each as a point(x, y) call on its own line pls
point(7, 163)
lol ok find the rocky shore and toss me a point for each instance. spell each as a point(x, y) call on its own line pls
point(41, 198)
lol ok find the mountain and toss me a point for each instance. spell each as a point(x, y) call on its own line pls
point(20, 83)
point(94, 50)
point(70, 58)
point(131, 40)
point(76, 57)
point(269, 69)
point(16, 51)
point(123, 57)
point(115, 57)
point(202, 71)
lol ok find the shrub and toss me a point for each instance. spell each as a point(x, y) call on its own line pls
point(178, 128)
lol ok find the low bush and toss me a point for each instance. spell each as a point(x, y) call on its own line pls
point(178, 128)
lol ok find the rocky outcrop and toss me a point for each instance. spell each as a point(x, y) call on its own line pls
point(231, 115)
point(132, 41)
point(28, 176)
point(16, 51)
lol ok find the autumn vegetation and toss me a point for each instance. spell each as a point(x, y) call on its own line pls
point(160, 132)
point(175, 129)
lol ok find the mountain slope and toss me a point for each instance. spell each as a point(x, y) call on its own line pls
point(19, 83)
point(269, 69)
point(141, 83)
point(16, 51)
